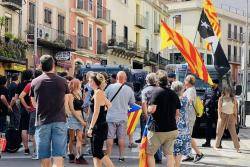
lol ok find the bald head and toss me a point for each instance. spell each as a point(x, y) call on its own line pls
point(121, 77)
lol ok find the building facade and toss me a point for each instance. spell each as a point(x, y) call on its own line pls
point(133, 35)
point(232, 26)
point(88, 21)
point(12, 48)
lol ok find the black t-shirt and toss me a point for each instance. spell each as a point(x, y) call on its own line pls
point(12, 89)
point(49, 91)
point(19, 90)
point(167, 103)
point(4, 91)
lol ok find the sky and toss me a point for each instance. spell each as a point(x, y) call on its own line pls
point(240, 4)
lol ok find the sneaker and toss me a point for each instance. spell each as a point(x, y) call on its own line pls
point(198, 158)
point(81, 160)
point(71, 158)
point(206, 145)
point(138, 141)
point(26, 152)
point(34, 156)
point(188, 158)
point(122, 159)
point(132, 145)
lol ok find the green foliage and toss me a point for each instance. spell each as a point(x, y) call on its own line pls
point(12, 47)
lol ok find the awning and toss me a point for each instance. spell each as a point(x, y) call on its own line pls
point(14, 67)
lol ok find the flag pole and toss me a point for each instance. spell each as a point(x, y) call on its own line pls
point(245, 69)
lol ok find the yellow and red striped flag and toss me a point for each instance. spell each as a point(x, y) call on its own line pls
point(212, 16)
point(134, 114)
point(142, 153)
point(189, 52)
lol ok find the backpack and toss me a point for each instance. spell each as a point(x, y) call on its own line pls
point(13, 138)
point(198, 107)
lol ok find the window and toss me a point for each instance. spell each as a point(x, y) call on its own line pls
point(229, 52)
point(229, 31)
point(90, 35)
point(240, 54)
point(47, 16)
point(90, 5)
point(80, 34)
point(126, 33)
point(8, 23)
point(113, 30)
point(235, 53)
point(61, 21)
point(209, 59)
point(177, 22)
point(32, 13)
point(147, 45)
point(235, 32)
point(79, 4)
point(241, 34)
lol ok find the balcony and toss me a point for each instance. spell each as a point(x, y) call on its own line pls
point(151, 58)
point(82, 42)
point(12, 49)
point(121, 43)
point(51, 38)
point(157, 28)
point(84, 8)
point(101, 47)
point(103, 15)
point(141, 22)
point(12, 4)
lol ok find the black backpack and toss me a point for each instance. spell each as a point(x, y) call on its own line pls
point(13, 138)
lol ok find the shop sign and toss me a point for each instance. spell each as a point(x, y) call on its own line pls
point(63, 56)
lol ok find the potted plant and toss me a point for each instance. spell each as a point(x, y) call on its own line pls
point(8, 36)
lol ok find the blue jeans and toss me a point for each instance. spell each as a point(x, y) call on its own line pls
point(51, 140)
point(158, 154)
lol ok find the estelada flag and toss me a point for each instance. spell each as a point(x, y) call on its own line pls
point(206, 31)
point(134, 114)
point(143, 146)
point(189, 52)
point(212, 16)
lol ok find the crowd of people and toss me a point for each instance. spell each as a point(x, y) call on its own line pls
point(60, 113)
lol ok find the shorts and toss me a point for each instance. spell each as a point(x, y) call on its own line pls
point(25, 119)
point(156, 139)
point(117, 130)
point(51, 140)
point(74, 124)
point(32, 122)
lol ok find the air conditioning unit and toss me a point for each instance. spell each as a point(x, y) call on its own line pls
point(40, 33)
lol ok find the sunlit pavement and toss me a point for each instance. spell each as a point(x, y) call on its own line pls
point(226, 157)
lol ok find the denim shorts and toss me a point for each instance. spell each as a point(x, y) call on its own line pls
point(32, 121)
point(51, 140)
point(74, 124)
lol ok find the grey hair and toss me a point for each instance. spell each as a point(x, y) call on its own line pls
point(151, 79)
point(177, 86)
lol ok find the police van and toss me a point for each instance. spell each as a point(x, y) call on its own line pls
point(135, 77)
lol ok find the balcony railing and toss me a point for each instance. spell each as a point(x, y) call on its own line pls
point(103, 13)
point(85, 8)
point(82, 42)
point(101, 47)
point(12, 4)
point(141, 22)
point(121, 42)
point(54, 36)
point(155, 58)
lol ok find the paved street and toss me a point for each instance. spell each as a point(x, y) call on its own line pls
point(227, 157)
